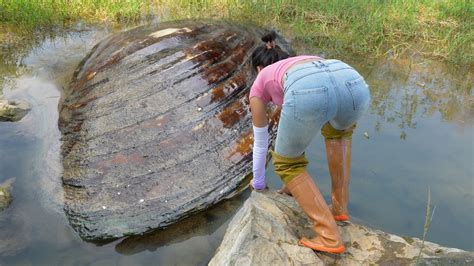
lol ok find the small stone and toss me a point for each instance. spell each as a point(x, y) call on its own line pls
point(141, 200)
point(421, 84)
point(13, 111)
point(355, 245)
point(103, 207)
point(118, 193)
point(199, 109)
point(366, 135)
point(91, 75)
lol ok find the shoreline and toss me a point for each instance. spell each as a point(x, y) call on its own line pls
point(440, 30)
point(267, 228)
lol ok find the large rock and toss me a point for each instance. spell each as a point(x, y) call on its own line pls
point(267, 228)
point(156, 126)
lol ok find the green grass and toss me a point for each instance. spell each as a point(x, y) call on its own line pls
point(442, 29)
point(428, 219)
point(41, 13)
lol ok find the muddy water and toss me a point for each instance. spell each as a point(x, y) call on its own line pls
point(417, 136)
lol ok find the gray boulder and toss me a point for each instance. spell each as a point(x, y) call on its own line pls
point(13, 111)
point(5, 193)
point(267, 228)
point(156, 126)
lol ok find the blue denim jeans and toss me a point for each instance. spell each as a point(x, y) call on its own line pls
point(315, 93)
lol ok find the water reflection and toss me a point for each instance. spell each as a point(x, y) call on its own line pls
point(405, 90)
point(201, 224)
point(16, 44)
point(29, 149)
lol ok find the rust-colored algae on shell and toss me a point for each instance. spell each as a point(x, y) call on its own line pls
point(242, 147)
point(156, 126)
point(218, 93)
point(232, 114)
point(236, 82)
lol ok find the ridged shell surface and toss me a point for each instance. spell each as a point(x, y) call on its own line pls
point(156, 126)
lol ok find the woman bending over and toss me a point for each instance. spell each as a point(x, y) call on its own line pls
point(314, 94)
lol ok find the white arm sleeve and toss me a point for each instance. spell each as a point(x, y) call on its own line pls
point(260, 149)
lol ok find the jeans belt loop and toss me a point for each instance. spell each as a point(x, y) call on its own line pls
point(285, 77)
point(316, 64)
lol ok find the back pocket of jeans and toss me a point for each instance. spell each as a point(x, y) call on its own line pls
point(310, 104)
point(359, 91)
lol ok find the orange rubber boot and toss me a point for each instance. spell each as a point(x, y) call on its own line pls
point(307, 194)
point(339, 152)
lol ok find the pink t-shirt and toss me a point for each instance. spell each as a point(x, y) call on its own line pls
point(268, 84)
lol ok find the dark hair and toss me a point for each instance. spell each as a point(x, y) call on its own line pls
point(269, 53)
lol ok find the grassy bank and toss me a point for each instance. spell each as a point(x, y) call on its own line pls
point(442, 29)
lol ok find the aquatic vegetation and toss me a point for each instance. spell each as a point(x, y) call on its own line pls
point(440, 29)
point(428, 219)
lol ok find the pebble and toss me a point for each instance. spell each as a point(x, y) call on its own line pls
point(91, 75)
point(142, 200)
point(421, 84)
